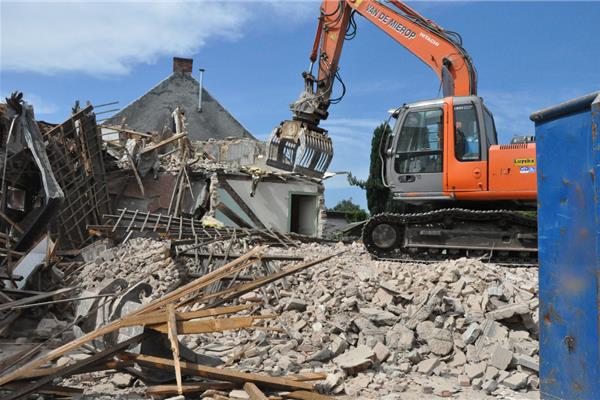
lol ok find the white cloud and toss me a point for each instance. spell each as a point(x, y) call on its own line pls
point(110, 37)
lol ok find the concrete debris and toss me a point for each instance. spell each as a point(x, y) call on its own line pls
point(501, 357)
point(516, 381)
point(356, 360)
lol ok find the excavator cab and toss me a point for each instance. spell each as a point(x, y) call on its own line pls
point(439, 148)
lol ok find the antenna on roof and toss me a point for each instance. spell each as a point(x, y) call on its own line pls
point(200, 90)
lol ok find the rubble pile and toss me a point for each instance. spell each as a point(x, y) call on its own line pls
point(378, 328)
point(137, 260)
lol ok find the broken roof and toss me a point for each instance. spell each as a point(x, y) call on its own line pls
point(152, 111)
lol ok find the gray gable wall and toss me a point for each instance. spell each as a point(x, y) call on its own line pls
point(152, 111)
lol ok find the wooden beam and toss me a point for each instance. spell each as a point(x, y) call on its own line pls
point(308, 376)
point(70, 369)
point(305, 395)
point(229, 375)
point(172, 334)
point(254, 392)
point(11, 222)
point(153, 147)
point(238, 290)
point(34, 299)
point(189, 388)
point(236, 219)
point(124, 130)
point(241, 203)
point(207, 325)
point(160, 317)
point(243, 262)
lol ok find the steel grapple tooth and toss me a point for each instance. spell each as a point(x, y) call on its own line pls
point(295, 147)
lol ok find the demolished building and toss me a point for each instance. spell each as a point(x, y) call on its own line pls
point(227, 176)
point(141, 291)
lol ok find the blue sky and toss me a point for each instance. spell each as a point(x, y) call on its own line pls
point(529, 55)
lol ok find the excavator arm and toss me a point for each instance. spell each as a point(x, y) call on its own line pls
point(299, 144)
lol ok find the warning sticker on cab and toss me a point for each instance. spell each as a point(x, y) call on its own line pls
point(527, 170)
point(524, 161)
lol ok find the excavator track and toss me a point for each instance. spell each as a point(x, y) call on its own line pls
point(498, 236)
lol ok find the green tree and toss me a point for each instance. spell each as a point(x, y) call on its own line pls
point(352, 210)
point(379, 198)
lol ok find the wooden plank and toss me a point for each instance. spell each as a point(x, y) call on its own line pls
point(101, 366)
point(236, 219)
point(11, 222)
point(305, 395)
point(172, 334)
point(152, 147)
point(54, 390)
point(229, 375)
point(34, 299)
point(241, 203)
point(308, 376)
point(227, 269)
point(68, 370)
point(238, 290)
point(161, 317)
point(124, 130)
point(189, 388)
point(207, 325)
point(254, 392)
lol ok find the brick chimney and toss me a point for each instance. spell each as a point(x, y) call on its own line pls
point(182, 65)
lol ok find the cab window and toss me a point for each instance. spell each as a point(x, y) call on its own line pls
point(419, 148)
point(490, 127)
point(466, 133)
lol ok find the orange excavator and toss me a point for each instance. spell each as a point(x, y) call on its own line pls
point(461, 192)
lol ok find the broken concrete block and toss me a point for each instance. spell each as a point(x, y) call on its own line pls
point(49, 326)
point(463, 380)
point(502, 375)
point(489, 386)
point(516, 381)
point(427, 366)
point(501, 357)
point(475, 370)
point(121, 380)
point(295, 304)
point(527, 362)
point(355, 360)
point(382, 297)
point(338, 345)
point(414, 357)
point(391, 286)
point(299, 325)
point(458, 359)
point(323, 355)
point(471, 334)
point(239, 395)
point(381, 352)
point(508, 311)
point(400, 337)
point(331, 382)
point(491, 373)
point(378, 316)
point(443, 390)
point(440, 343)
point(495, 291)
point(425, 329)
point(533, 382)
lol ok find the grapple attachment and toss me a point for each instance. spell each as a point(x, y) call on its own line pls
point(293, 146)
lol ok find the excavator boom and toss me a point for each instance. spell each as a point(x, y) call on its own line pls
point(299, 144)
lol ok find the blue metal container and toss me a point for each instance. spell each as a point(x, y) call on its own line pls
point(568, 161)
